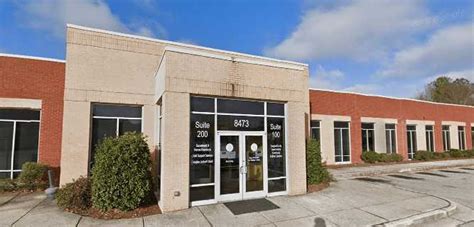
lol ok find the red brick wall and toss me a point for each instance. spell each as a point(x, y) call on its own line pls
point(37, 79)
point(357, 106)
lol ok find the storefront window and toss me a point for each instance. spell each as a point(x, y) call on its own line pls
point(341, 142)
point(446, 138)
point(429, 138)
point(411, 141)
point(368, 137)
point(19, 136)
point(461, 137)
point(276, 154)
point(390, 138)
point(316, 130)
point(113, 120)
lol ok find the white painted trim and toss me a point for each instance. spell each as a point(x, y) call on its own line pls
point(453, 123)
point(182, 44)
point(389, 97)
point(419, 122)
point(376, 119)
point(322, 117)
point(20, 103)
point(228, 58)
point(31, 57)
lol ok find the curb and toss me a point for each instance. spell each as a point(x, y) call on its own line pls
point(425, 217)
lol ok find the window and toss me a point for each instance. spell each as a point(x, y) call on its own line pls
point(461, 137)
point(316, 130)
point(429, 138)
point(472, 137)
point(341, 142)
point(368, 137)
point(390, 138)
point(19, 135)
point(113, 120)
point(411, 141)
point(446, 138)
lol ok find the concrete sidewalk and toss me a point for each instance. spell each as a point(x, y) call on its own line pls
point(358, 171)
point(345, 203)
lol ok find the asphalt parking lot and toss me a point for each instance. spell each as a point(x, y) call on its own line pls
point(455, 184)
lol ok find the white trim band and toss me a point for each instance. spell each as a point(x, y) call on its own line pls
point(31, 57)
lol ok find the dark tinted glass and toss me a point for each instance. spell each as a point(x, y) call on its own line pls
point(390, 126)
point(316, 134)
point(315, 123)
point(240, 123)
point(6, 137)
point(101, 128)
point(126, 125)
point(367, 125)
point(276, 147)
point(201, 193)
point(4, 175)
point(238, 106)
point(340, 124)
point(230, 166)
point(202, 149)
point(461, 128)
point(106, 110)
point(445, 127)
point(275, 109)
point(277, 185)
point(26, 143)
point(19, 114)
point(429, 127)
point(411, 127)
point(345, 145)
point(201, 104)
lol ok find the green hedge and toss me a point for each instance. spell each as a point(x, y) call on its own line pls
point(374, 157)
point(424, 155)
point(121, 176)
point(75, 195)
point(316, 172)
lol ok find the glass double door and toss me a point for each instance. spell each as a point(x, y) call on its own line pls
point(241, 166)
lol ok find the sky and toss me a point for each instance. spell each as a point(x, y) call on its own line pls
point(381, 47)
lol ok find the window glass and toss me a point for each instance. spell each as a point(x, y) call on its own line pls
point(341, 142)
point(202, 149)
point(240, 107)
point(107, 110)
point(316, 134)
point(19, 114)
point(6, 137)
point(462, 142)
point(277, 185)
point(316, 124)
point(346, 146)
point(367, 125)
point(201, 104)
point(26, 143)
point(446, 138)
point(340, 124)
point(276, 147)
point(276, 109)
point(411, 141)
point(126, 125)
point(101, 128)
point(201, 193)
point(390, 126)
point(240, 123)
point(390, 138)
point(429, 127)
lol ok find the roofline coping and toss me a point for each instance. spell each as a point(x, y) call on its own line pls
point(31, 57)
point(183, 44)
point(389, 97)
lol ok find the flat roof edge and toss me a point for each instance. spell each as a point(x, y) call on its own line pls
point(183, 44)
point(389, 97)
point(31, 57)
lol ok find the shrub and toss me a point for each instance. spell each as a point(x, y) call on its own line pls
point(457, 153)
point(370, 157)
point(440, 155)
point(33, 176)
point(394, 157)
point(7, 185)
point(121, 176)
point(424, 155)
point(316, 172)
point(75, 195)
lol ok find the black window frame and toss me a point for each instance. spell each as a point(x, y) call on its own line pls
point(368, 136)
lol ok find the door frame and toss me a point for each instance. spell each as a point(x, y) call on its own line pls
point(242, 155)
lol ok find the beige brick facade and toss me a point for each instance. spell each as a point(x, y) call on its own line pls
point(104, 67)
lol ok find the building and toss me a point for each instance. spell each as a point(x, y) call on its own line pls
point(31, 112)
point(221, 125)
point(348, 124)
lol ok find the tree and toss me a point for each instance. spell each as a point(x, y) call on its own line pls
point(448, 90)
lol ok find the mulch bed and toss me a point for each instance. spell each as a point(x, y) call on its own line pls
point(317, 187)
point(142, 211)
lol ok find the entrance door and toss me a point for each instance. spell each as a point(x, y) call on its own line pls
point(241, 166)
